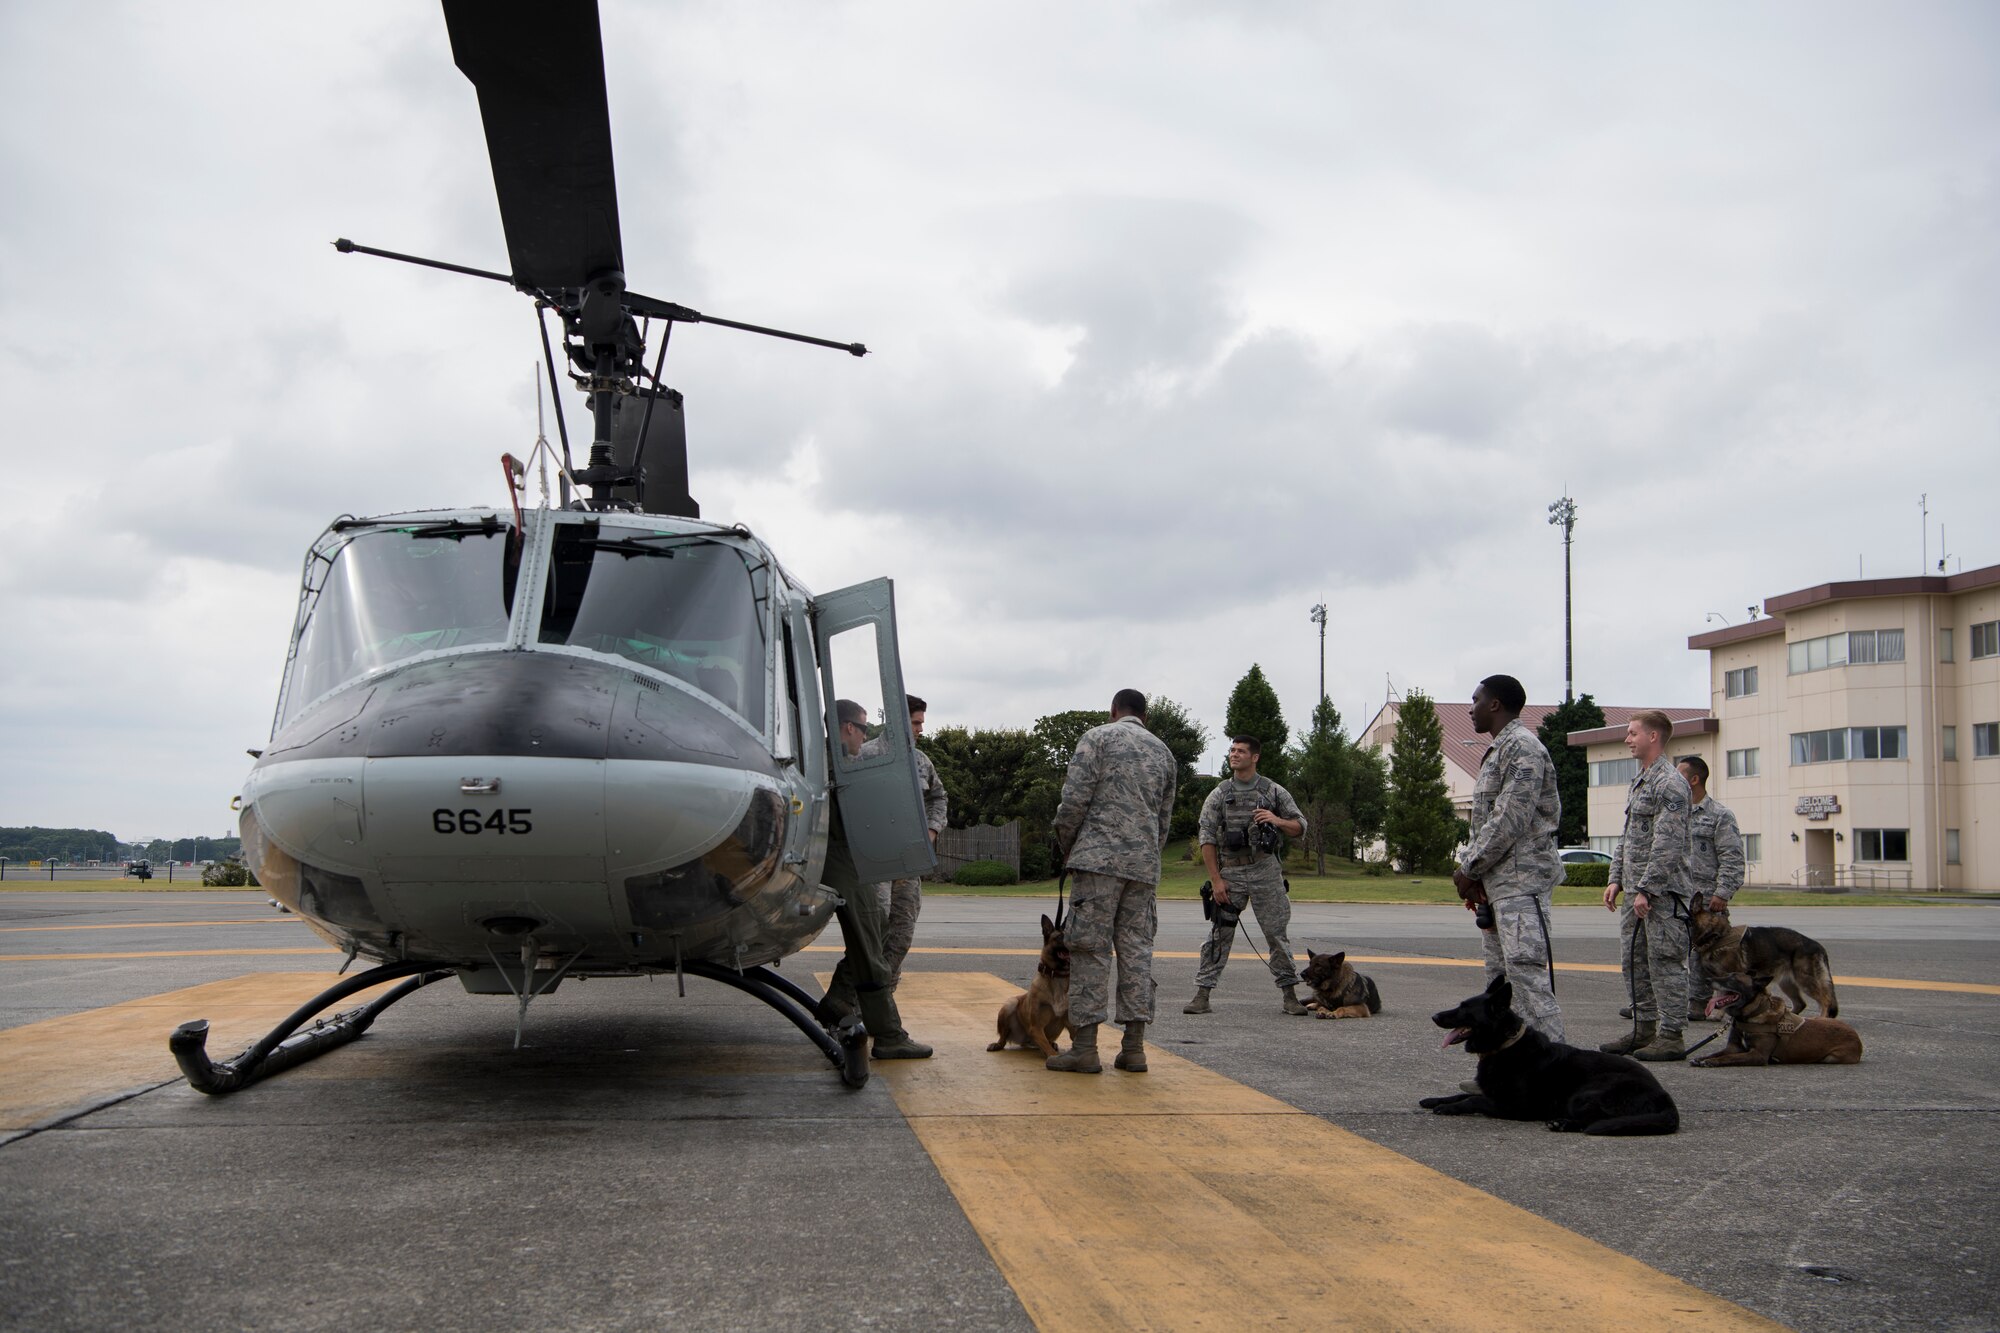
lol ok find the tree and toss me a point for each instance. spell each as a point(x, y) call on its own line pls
point(1322, 769)
point(1253, 711)
point(1368, 797)
point(1421, 828)
point(1187, 738)
point(1572, 766)
point(1057, 734)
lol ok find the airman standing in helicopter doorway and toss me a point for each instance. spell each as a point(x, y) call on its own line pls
point(861, 980)
point(903, 899)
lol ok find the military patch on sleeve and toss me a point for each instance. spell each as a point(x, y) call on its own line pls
point(1675, 801)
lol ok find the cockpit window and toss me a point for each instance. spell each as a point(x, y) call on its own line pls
point(679, 604)
point(394, 592)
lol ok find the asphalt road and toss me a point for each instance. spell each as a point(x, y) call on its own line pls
point(649, 1159)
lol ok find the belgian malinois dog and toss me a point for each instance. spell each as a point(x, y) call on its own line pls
point(1338, 991)
point(1765, 1031)
point(1525, 1076)
point(1040, 1015)
point(1778, 955)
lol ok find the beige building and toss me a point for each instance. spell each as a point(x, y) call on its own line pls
point(1854, 730)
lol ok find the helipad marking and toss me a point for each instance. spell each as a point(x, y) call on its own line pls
point(60, 1064)
point(1105, 1200)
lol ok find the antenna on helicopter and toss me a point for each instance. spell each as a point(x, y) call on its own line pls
point(562, 231)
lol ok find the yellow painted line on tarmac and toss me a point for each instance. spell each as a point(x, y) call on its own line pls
point(1886, 983)
point(62, 1064)
point(158, 953)
point(1173, 1199)
point(158, 925)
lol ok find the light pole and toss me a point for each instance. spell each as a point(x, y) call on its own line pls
point(1563, 514)
point(1319, 618)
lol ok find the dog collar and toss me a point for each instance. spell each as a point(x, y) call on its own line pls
point(1522, 1032)
point(1048, 971)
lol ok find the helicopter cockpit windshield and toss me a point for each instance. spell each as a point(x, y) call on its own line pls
point(679, 604)
point(395, 592)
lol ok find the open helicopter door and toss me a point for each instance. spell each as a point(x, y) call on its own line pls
point(854, 630)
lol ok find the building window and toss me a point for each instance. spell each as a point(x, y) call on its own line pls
point(1986, 639)
point(1832, 650)
point(1743, 763)
point(1613, 772)
point(1753, 846)
point(1737, 683)
point(1839, 743)
point(1882, 844)
point(1609, 846)
point(1949, 746)
point(1951, 846)
point(1985, 740)
point(1944, 644)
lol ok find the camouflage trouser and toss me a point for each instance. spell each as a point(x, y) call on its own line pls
point(1262, 893)
point(861, 979)
point(901, 900)
point(1109, 915)
point(1656, 963)
point(1700, 987)
point(1518, 948)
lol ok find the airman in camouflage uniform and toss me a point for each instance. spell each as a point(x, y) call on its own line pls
point(1117, 806)
point(1244, 876)
point(1715, 867)
point(1652, 863)
point(903, 899)
point(1511, 862)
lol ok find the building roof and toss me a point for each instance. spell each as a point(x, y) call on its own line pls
point(1467, 748)
point(1701, 725)
point(1749, 629)
point(1934, 584)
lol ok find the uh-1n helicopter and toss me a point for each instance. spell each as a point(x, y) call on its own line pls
point(516, 746)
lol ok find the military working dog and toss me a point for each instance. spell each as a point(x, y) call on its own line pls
point(1765, 1031)
point(1525, 1076)
point(1775, 953)
point(1338, 991)
point(1040, 1015)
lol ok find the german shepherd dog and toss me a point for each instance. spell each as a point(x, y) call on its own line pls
point(1040, 1015)
point(1765, 1031)
point(1338, 990)
point(1772, 952)
point(1525, 1076)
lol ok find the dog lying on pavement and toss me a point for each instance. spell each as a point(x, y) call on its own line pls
point(1525, 1076)
point(1775, 953)
point(1040, 1015)
point(1338, 991)
point(1765, 1031)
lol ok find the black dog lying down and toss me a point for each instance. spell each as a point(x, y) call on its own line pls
point(1525, 1076)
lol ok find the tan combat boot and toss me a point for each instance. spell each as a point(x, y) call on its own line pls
point(1132, 1053)
point(1666, 1046)
point(1199, 1004)
point(1292, 1005)
point(1081, 1057)
point(1631, 1041)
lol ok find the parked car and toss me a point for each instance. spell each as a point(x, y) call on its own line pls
point(1584, 856)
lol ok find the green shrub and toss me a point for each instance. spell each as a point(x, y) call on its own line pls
point(228, 875)
point(1038, 861)
point(1587, 874)
point(1375, 869)
point(986, 873)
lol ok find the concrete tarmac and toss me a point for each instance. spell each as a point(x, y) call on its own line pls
point(649, 1159)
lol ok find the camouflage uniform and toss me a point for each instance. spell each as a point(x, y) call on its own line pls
point(1117, 804)
point(1256, 879)
point(903, 899)
point(861, 978)
point(1715, 870)
point(1652, 858)
point(1515, 814)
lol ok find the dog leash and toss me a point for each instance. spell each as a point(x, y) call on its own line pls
point(1062, 880)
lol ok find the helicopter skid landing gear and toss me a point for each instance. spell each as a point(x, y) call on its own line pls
point(846, 1044)
point(279, 1050)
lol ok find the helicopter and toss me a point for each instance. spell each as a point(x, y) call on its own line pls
point(589, 739)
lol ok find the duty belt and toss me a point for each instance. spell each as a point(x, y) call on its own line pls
point(1250, 859)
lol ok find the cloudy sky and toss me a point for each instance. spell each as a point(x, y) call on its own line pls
point(1185, 317)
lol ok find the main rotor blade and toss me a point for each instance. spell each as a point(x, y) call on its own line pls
point(539, 68)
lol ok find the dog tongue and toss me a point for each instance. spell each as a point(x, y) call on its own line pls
point(1457, 1035)
point(1719, 1000)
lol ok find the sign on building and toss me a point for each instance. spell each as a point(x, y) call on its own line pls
point(1818, 807)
